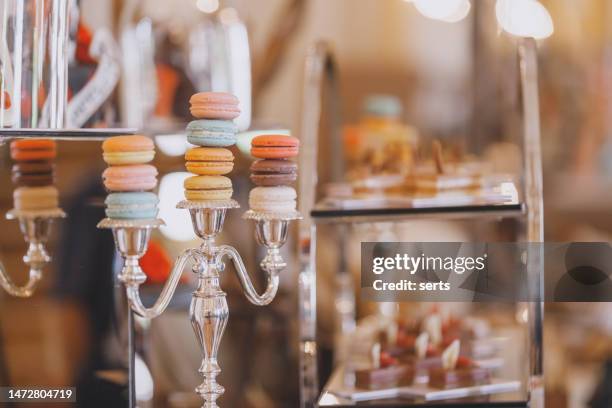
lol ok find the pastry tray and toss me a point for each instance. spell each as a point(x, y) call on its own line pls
point(500, 393)
point(497, 200)
point(323, 213)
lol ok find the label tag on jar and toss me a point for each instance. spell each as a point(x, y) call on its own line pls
point(89, 99)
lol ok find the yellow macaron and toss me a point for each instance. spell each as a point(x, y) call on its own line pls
point(208, 188)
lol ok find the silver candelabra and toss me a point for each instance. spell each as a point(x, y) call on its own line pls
point(35, 227)
point(208, 311)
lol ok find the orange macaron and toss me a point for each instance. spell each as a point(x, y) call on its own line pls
point(209, 161)
point(128, 149)
point(275, 147)
point(33, 149)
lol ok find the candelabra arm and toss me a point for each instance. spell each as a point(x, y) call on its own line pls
point(272, 269)
point(162, 302)
point(36, 258)
point(25, 291)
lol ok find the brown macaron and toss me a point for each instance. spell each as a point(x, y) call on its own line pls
point(273, 172)
point(33, 174)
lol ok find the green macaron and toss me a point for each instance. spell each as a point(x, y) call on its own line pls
point(212, 133)
point(132, 205)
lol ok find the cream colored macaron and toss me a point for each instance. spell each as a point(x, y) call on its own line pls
point(279, 199)
point(36, 198)
point(125, 158)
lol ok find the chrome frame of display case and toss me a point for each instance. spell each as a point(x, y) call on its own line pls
point(319, 68)
point(535, 213)
point(209, 311)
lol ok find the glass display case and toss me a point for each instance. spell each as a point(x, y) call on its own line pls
point(345, 215)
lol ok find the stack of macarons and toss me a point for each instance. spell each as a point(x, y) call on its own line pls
point(273, 173)
point(34, 174)
point(212, 131)
point(129, 178)
point(33, 162)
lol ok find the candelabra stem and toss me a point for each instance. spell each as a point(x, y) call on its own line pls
point(131, 359)
point(209, 313)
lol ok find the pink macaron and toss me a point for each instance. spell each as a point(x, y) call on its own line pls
point(130, 178)
point(214, 105)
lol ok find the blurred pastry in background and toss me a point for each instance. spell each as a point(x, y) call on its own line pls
point(441, 176)
point(385, 372)
point(457, 371)
point(380, 143)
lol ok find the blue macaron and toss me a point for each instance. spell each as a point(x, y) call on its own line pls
point(132, 205)
point(212, 133)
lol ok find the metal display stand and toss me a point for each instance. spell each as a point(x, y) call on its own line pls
point(208, 310)
point(320, 73)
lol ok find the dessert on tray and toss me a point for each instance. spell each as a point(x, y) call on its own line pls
point(401, 337)
point(443, 177)
point(444, 180)
point(457, 371)
point(433, 356)
point(386, 372)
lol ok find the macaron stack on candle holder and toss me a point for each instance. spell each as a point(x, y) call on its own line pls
point(131, 208)
point(273, 174)
point(35, 206)
point(208, 196)
point(273, 202)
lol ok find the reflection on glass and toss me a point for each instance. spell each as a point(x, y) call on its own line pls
point(35, 206)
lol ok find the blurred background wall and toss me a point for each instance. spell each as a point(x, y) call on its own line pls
point(453, 84)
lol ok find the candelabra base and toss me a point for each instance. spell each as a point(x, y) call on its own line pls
point(208, 311)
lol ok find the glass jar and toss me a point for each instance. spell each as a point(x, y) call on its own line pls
point(33, 63)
